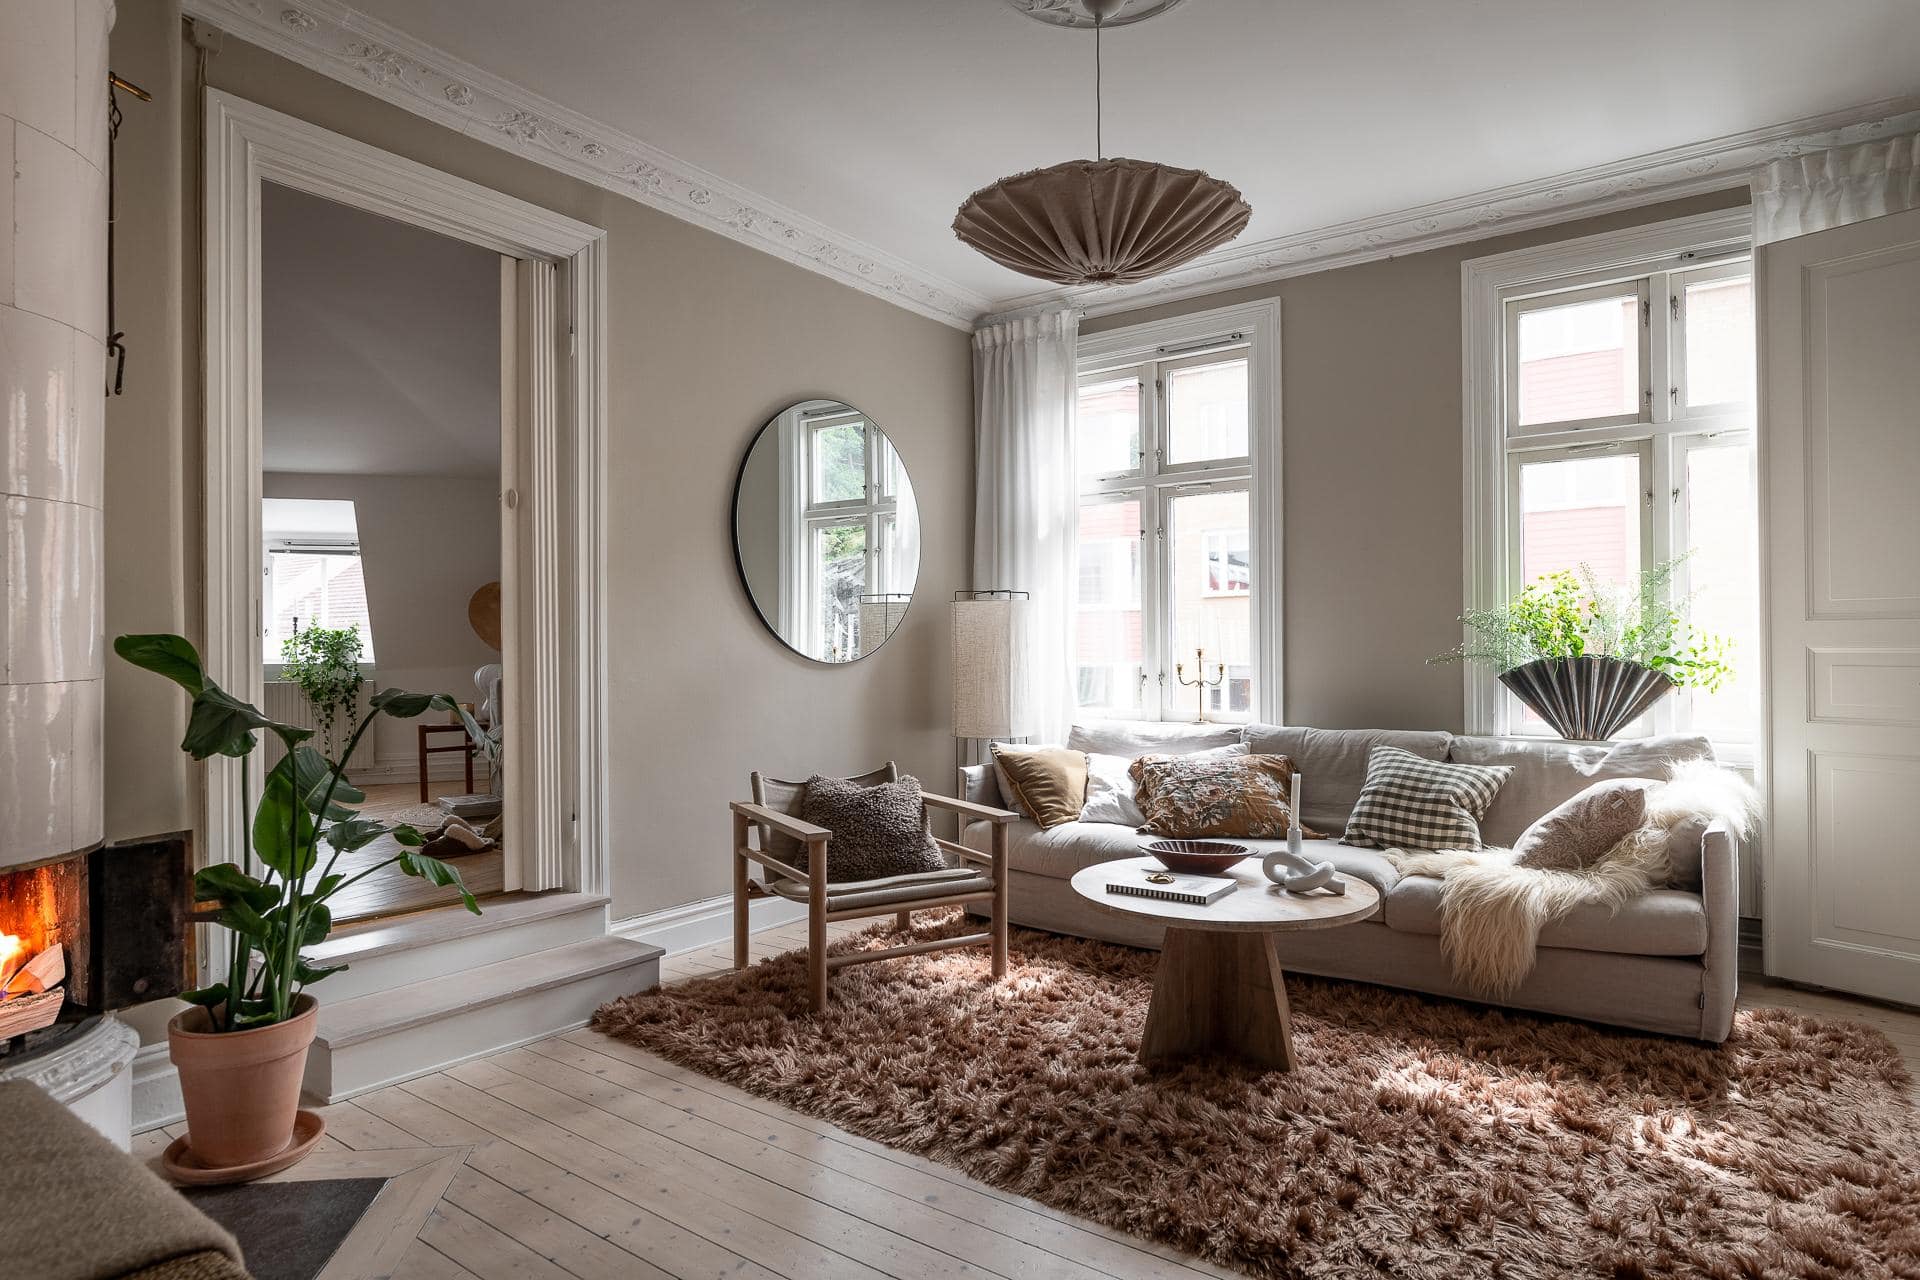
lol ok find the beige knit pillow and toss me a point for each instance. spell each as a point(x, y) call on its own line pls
point(1579, 831)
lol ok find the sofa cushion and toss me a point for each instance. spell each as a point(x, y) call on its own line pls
point(1136, 738)
point(1048, 784)
point(1545, 773)
point(1110, 795)
point(1413, 803)
point(1663, 922)
point(1193, 797)
point(1581, 830)
point(1332, 763)
point(1060, 851)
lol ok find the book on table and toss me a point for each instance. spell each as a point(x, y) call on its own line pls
point(1170, 886)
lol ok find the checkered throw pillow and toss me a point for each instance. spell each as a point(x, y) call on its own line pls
point(1410, 802)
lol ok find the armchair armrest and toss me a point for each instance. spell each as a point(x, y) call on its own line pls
point(805, 832)
point(1720, 899)
point(970, 811)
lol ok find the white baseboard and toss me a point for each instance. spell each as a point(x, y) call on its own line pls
point(156, 1089)
point(694, 925)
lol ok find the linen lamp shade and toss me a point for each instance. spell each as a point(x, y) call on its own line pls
point(990, 669)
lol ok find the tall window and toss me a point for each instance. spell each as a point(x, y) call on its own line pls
point(1165, 536)
point(313, 572)
point(1627, 426)
point(858, 568)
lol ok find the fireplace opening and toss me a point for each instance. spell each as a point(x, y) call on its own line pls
point(88, 933)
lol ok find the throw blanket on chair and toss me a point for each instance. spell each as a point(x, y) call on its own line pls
point(1492, 910)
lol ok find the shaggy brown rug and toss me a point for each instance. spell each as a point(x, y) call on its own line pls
point(1419, 1138)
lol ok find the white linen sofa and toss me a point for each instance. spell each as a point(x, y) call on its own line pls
point(1665, 962)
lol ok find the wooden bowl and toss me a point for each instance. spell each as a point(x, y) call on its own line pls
point(1197, 857)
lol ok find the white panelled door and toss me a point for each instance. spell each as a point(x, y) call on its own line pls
point(1840, 458)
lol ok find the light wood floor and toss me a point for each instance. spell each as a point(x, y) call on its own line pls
point(582, 1158)
point(392, 891)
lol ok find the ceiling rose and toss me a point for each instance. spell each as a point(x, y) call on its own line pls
point(1084, 13)
point(1102, 221)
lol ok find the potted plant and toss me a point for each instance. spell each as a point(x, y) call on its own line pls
point(1589, 659)
point(241, 1049)
point(325, 663)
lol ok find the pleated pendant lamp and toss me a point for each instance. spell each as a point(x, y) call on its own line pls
point(1102, 221)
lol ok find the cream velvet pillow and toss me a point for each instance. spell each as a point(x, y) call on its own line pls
point(1578, 832)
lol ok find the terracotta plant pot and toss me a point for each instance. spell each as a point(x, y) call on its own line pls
point(241, 1088)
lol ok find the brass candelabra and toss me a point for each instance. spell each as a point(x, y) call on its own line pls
point(1200, 683)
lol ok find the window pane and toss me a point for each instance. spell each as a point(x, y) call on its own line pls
point(306, 589)
point(1720, 344)
point(840, 576)
point(1107, 626)
point(1107, 427)
point(1722, 573)
point(1211, 594)
point(1580, 361)
point(1207, 411)
point(1576, 511)
point(840, 463)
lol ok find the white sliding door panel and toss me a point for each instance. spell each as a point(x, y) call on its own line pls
point(1840, 459)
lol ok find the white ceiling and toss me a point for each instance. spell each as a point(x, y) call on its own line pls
point(877, 117)
point(380, 344)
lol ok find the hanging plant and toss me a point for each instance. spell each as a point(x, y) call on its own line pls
point(325, 663)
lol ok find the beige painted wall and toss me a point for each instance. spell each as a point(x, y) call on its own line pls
point(707, 340)
point(1371, 420)
point(427, 543)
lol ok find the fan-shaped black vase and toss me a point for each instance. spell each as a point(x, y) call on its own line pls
point(1587, 699)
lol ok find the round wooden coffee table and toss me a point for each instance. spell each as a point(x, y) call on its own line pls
point(1219, 988)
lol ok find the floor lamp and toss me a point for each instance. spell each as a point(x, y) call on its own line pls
point(990, 674)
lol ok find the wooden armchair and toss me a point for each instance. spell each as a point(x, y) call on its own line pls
point(976, 878)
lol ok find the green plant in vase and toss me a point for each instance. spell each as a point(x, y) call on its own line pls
point(274, 903)
point(1589, 658)
point(325, 663)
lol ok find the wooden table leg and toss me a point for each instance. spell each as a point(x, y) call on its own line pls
point(1218, 992)
point(422, 731)
point(469, 760)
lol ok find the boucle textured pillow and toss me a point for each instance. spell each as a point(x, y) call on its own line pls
point(1410, 802)
point(877, 831)
point(1578, 832)
point(1048, 784)
point(1185, 798)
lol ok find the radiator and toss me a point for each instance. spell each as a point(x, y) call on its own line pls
point(284, 702)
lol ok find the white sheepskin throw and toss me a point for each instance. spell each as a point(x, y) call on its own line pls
point(1492, 911)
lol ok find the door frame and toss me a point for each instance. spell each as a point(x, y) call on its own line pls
point(563, 492)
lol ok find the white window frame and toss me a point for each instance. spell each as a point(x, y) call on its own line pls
point(273, 667)
point(1717, 243)
point(875, 509)
point(1179, 342)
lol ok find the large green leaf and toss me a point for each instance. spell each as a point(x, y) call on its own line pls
point(314, 773)
point(167, 655)
point(306, 971)
point(221, 724)
point(437, 872)
point(228, 883)
point(282, 828)
point(354, 833)
point(236, 914)
point(402, 705)
point(210, 997)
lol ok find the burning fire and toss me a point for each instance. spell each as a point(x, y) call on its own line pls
point(12, 952)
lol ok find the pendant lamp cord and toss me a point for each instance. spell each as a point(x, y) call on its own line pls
point(1099, 144)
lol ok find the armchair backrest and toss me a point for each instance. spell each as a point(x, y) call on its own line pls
point(782, 796)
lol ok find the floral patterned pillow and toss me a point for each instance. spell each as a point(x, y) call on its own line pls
point(1186, 798)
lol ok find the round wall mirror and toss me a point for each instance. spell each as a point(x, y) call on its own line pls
point(825, 531)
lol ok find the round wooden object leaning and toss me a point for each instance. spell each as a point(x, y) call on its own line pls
point(483, 615)
point(1220, 988)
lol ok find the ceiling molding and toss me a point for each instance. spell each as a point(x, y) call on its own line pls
point(346, 45)
point(1715, 165)
point(338, 41)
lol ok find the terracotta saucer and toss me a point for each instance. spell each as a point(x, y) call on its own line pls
point(184, 1168)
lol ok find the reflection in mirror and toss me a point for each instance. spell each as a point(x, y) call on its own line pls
point(826, 532)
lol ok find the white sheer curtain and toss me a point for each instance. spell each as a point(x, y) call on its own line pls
point(1025, 513)
point(1799, 195)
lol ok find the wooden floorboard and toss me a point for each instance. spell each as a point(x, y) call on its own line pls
point(584, 1158)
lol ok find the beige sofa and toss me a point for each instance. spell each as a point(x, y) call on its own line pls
point(1665, 962)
